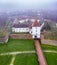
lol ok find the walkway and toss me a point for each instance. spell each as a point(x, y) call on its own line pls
point(41, 58)
point(13, 59)
point(19, 52)
point(25, 52)
point(49, 51)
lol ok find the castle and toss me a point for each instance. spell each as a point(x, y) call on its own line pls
point(34, 29)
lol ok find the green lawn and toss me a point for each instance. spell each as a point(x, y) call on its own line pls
point(19, 32)
point(49, 47)
point(17, 45)
point(51, 58)
point(5, 60)
point(26, 59)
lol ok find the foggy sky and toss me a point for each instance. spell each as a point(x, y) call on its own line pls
point(26, 4)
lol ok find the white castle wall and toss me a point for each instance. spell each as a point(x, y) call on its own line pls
point(36, 32)
point(20, 29)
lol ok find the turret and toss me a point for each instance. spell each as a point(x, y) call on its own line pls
point(36, 29)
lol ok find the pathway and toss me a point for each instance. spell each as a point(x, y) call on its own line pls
point(13, 59)
point(25, 52)
point(49, 51)
point(19, 52)
point(41, 58)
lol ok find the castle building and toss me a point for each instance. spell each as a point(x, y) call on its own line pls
point(20, 28)
point(34, 29)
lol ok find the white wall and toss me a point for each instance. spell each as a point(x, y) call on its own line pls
point(30, 31)
point(36, 32)
point(20, 29)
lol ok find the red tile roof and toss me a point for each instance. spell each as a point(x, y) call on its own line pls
point(36, 24)
point(30, 27)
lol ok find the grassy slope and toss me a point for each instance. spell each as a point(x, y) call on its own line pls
point(51, 58)
point(50, 35)
point(26, 59)
point(17, 45)
point(5, 60)
point(49, 47)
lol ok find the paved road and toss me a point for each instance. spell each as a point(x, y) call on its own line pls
point(41, 58)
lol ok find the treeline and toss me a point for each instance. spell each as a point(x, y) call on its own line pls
point(49, 26)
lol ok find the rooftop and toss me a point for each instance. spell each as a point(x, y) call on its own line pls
point(36, 24)
point(20, 25)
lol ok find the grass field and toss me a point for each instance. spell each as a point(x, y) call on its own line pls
point(17, 45)
point(22, 45)
point(50, 35)
point(26, 59)
point(19, 32)
point(23, 59)
point(49, 47)
point(51, 58)
point(5, 60)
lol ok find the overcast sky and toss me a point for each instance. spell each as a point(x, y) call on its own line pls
point(25, 4)
point(26, 1)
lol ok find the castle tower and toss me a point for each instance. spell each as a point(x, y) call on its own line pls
point(36, 30)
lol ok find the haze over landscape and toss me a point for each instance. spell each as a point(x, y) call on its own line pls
point(11, 9)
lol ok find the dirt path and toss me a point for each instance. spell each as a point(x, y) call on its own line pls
point(41, 58)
